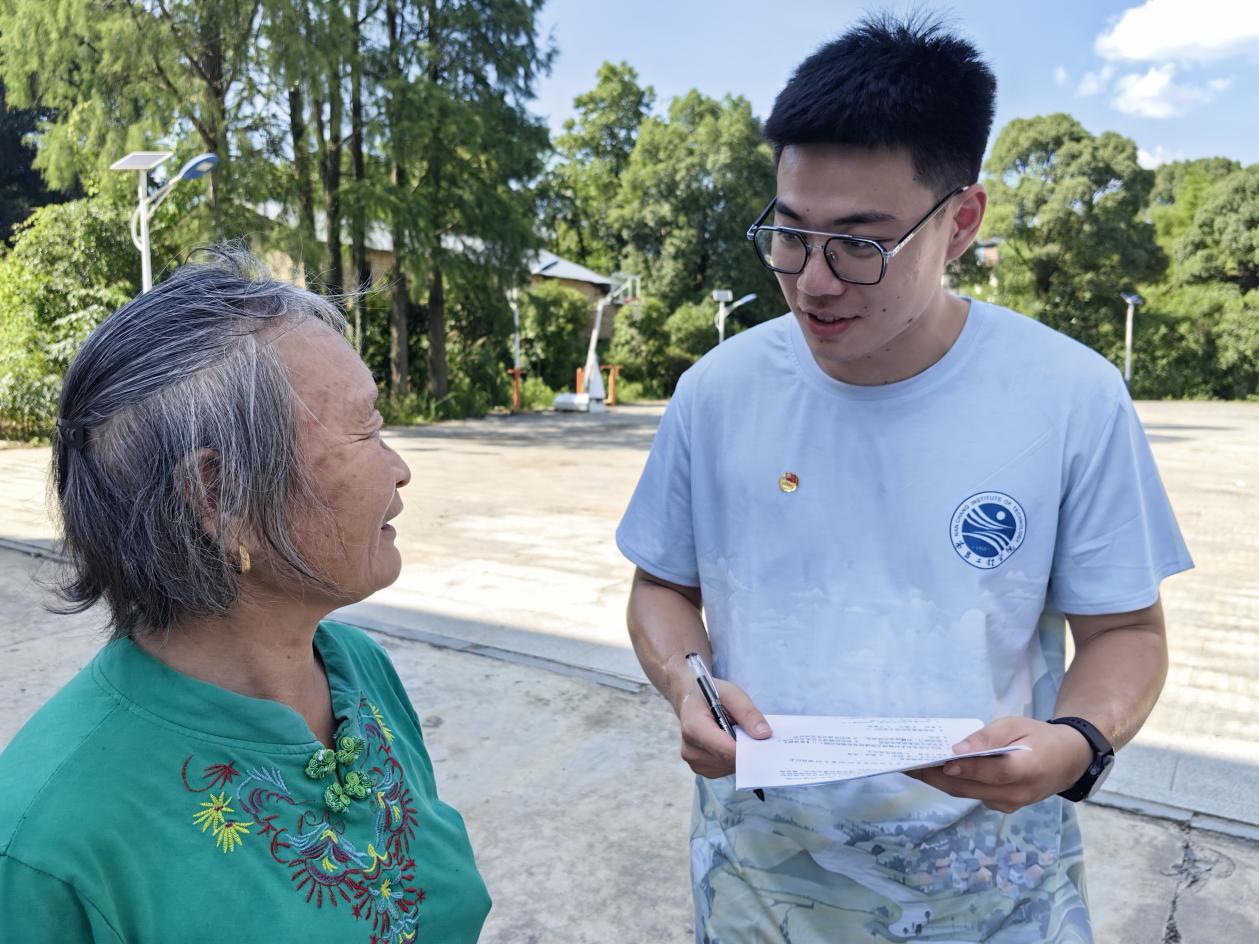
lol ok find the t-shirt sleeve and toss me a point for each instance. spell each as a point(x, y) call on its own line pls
point(1117, 536)
point(39, 908)
point(656, 532)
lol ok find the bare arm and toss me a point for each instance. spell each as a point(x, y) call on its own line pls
point(1118, 671)
point(1115, 678)
point(665, 624)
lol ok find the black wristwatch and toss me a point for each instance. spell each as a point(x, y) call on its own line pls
point(1100, 767)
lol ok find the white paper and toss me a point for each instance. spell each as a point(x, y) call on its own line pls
point(811, 749)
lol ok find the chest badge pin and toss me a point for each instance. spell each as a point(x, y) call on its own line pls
point(788, 482)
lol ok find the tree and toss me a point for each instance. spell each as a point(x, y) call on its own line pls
point(579, 190)
point(22, 189)
point(554, 327)
point(1222, 242)
point(1177, 194)
point(121, 74)
point(1069, 207)
point(70, 266)
point(694, 183)
point(640, 345)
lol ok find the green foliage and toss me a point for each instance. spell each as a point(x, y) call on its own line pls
point(1237, 348)
point(535, 394)
point(28, 397)
point(408, 409)
point(21, 187)
point(1179, 188)
point(631, 391)
point(692, 332)
point(554, 332)
point(479, 385)
point(578, 192)
point(118, 77)
point(693, 185)
point(1069, 206)
point(1222, 242)
point(70, 266)
point(640, 345)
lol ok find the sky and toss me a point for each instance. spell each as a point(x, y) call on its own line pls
point(1179, 77)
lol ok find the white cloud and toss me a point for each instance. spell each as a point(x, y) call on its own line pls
point(1160, 155)
point(1156, 94)
point(1060, 76)
point(1180, 30)
point(1219, 85)
point(1094, 83)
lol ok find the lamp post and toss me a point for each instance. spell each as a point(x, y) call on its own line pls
point(722, 296)
point(1133, 300)
point(143, 162)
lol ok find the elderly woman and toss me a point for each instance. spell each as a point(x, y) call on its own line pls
point(229, 767)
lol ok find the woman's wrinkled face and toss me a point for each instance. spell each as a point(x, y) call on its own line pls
point(355, 473)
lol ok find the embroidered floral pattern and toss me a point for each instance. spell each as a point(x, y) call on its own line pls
point(227, 836)
point(213, 816)
point(380, 724)
point(212, 810)
point(306, 834)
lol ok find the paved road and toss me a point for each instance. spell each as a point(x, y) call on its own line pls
point(507, 538)
point(578, 806)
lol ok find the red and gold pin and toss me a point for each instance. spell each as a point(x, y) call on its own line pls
point(788, 482)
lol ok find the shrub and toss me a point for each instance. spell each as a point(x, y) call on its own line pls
point(535, 394)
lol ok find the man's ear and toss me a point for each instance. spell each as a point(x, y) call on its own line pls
point(966, 220)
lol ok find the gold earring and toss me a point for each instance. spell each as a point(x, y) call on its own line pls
point(244, 560)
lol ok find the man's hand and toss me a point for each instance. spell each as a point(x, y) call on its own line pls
point(705, 747)
point(1058, 757)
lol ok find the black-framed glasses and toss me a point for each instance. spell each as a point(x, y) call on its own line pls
point(856, 260)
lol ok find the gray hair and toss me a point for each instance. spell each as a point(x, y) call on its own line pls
point(175, 409)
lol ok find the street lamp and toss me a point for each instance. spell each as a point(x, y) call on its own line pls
point(722, 296)
point(1133, 300)
point(143, 162)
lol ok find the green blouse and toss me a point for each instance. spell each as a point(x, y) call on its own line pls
point(141, 805)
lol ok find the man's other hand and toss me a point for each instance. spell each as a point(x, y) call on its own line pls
point(1058, 757)
point(705, 747)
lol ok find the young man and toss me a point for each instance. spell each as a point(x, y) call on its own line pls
point(885, 502)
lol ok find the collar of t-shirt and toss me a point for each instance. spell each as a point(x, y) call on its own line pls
point(953, 360)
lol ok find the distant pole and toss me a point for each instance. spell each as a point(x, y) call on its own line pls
point(513, 299)
point(1133, 300)
point(722, 297)
point(146, 264)
point(1127, 345)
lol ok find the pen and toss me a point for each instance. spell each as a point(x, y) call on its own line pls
point(709, 688)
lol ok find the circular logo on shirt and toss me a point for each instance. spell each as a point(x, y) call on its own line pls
point(987, 528)
point(789, 482)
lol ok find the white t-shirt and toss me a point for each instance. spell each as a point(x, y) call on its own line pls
point(899, 550)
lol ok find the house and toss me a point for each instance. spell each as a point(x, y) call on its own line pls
point(543, 266)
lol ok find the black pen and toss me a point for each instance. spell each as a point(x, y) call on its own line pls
point(709, 688)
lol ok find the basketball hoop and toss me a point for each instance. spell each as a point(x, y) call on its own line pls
point(625, 288)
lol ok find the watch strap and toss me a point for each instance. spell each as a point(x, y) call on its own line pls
point(1103, 756)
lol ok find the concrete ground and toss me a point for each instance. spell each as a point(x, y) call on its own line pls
point(571, 787)
point(578, 806)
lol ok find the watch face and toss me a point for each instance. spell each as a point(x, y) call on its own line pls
point(1107, 764)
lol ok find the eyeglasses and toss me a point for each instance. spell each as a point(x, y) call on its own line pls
point(856, 260)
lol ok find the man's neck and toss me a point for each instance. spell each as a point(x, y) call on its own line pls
point(920, 346)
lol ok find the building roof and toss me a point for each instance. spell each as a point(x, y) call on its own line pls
point(378, 239)
point(550, 266)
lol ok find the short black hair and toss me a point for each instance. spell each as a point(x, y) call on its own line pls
point(894, 83)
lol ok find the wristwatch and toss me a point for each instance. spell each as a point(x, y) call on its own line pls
point(1099, 768)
